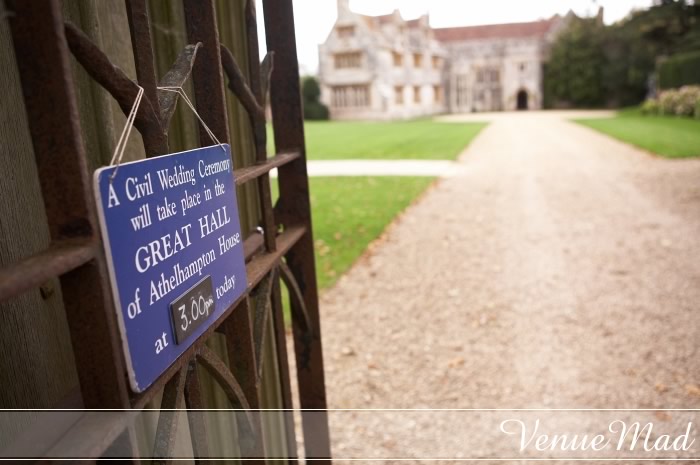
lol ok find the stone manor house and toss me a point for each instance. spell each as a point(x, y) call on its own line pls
point(384, 67)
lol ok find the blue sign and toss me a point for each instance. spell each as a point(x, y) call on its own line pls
point(174, 249)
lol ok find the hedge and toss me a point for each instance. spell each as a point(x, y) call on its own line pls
point(680, 70)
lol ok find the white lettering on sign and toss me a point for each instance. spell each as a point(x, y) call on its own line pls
point(166, 210)
point(178, 177)
point(143, 219)
point(213, 168)
point(179, 275)
point(134, 308)
point(113, 200)
point(161, 343)
point(190, 201)
point(210, 223)
point(162, 249)
point(227, 243)
point(136, 189)
point(229, 283)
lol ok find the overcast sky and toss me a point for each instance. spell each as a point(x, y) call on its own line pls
point(315, 18)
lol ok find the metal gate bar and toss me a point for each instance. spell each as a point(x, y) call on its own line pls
point(295, 209)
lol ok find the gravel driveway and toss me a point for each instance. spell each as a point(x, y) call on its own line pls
point(561, 269)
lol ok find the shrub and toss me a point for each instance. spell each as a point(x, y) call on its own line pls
point(315, 111)
point(311, 93)
point(650, 107)
point(667, 102)
point(310, 90)
point(688, 96)
point(679, 102)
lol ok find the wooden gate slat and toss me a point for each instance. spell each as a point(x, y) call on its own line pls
point(38, 36)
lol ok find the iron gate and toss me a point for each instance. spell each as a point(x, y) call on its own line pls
point(43, 43)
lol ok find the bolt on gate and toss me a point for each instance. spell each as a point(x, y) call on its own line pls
point(281, 248)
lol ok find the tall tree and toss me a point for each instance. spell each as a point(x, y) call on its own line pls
point(311, 96)
point(592, 64)
point(574, 71)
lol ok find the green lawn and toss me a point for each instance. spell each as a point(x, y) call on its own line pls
point(672, 137)
point(350, 212)
point(420, 139)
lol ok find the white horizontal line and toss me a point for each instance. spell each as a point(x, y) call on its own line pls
point(403, 459)
point(366, 410)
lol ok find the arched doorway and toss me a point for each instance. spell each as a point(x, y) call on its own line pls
point(522, 99)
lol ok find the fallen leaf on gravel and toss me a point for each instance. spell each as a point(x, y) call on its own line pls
point(389, 444)
point(347, 351)
point(692, 389)
point(372, 366)
point(661, 388)
point(663, 416)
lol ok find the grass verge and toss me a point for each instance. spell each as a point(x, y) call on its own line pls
point(668, 136)
point(417, 140)
point(350, 212)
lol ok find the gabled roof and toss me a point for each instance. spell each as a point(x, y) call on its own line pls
point(493, 31)
point(375, 21)
point(369, 20)
point(384, 19)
